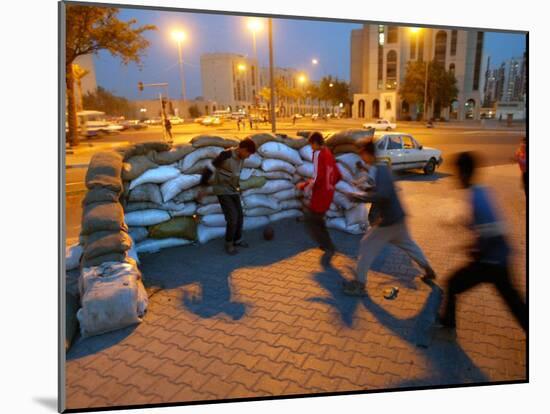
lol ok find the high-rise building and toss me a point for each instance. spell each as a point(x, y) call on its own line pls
point(379, 57)
point(514, 80)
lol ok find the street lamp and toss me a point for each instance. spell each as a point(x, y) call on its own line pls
point(415, 31)
point(179, 36)
point(255, 25)
point(241, 67)
point(314, 61)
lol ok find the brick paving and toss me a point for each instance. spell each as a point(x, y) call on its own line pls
point(280, 325)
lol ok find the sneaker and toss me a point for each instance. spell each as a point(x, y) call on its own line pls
point(327, 257)
point(354, 288)
point(230, 249)
point(241, 243)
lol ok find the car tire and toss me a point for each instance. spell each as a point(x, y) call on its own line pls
point(429, 168)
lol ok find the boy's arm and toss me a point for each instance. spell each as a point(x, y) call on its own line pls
point(207, 172)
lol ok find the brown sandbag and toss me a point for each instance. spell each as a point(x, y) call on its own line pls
point(174, 155)
point(111, 257)
point(105, 170)
point(143, 148)
point(295, 143)
point(213, 140)
point(252, 182)
point(260, 139)
point(100, 194)
point(180, 227)
point(146, 192)
point(105, 242)
point(344, 148)
point(102, 217)
point(349, 136)
point(136, 166)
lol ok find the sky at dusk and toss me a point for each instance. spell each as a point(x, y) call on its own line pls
point(295, 42)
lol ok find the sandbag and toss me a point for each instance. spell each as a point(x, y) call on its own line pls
point(306, 153)
point(178, 184)
point(73, 254)
point(106, 242)
point(262, 138)
point(334, 213)
point(138, 233)
point(157, 175)
point(277, 165)
point(205, 233)
point(189, 210)
point(100, 194)
point(306, 169)
point(344, 171)
point(146, 192)
point(197, 155)
point(214, 220)
point(105, 258)
point(211, 199)
point(274, 175)
point(285, 214)
point(136, 166)
point(260, 200)
point(210, 209)
point(342, 201)
point(345, 187)
point(287, 194)
point(339, 223)
point(141, 205)
point(199, 167)
point(254, 161)
point(350, 161)
point(172, 156)
point(251, 223)
point(356, 215)
point(290, 204)
point(133, 254)
point(246, 173)
point(188, 195)
point(109, 298)
point(280, 151)
point(345, 148)
point(155, 245)
point(260, 211)
point(104, 170)
point(142, 148)
point(349, 136)
point(146, 217)
point(102, 216)
point(178, 227)
point(295, 142)
point(212, 140)
point(270, 187)
point(253, 182)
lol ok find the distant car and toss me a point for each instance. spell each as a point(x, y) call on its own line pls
point(211, 121)
point(154, 121)
point(133, 124)
point(381, 125)
point(176, 120)
point(402, 152)
point(199, 120)
point(298, 116)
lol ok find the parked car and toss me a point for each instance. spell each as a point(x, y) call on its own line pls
point(175, 120)
point(199, 119)
point(381, 124)
point(154, 121)
point(212, 121)
point(133, 124)
point(402, 152)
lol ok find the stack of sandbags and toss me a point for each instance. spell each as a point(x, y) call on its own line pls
point(112, 297)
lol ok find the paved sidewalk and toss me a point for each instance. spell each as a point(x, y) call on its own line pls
point(280, 325)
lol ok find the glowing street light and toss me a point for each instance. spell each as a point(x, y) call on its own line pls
point(314, 61)
point(179, 36)
point(330, 85)
point(415, 29)
point(302, 79)
point(241, 67)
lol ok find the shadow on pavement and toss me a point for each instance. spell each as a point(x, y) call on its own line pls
point(419, 177)
point(82, 347)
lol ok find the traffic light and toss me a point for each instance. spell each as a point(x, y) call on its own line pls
point(140, 86)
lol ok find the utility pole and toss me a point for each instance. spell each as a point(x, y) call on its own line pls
point(162, 101)
point(271, 76)
point(426, 93)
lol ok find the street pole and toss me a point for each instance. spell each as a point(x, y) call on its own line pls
point(271, 76)
point(180, 59)
point(426, 93)
point(256, 71)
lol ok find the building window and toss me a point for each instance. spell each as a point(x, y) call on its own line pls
point(361, 109)
point(452, 68)
point(391, 70)
point(380, 66)
point(454, 36)
point(440, 47)
point(477, 61)
point(392, 34)
point(413, 47)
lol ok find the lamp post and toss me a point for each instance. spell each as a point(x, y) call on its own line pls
point(255, 25)
point(179, 36)
point(416, 31)
point(271, 76)
point(302, 81)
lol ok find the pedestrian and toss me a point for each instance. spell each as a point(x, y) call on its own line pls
point(320, 192)
point(227, 166)
point(294, 119)
point(521, 158)
point(168, 128)
point(250, 121)
point(238, 123)
point(489, 254)
point(387, 221)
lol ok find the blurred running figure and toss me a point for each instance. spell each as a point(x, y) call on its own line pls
point(490, 252)
point(228, 165)
point(521, 158)
point(387, 220)
point(321, 189)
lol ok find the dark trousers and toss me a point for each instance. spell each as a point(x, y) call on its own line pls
point(317, 229)
point(475, 273)
point(233, 212)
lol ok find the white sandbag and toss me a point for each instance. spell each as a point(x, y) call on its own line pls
point(260, 200)
point(290, 204)
point(274, 175)
point(189, 210)
point(109, 298)
point(187, 195)
point(246, 173)
point(138, 233)
point(211, 199)
point(205, 233)
point(357, 215)
point(155, 245)
point(277, 165)
point(350, 160)
point(156, 175)
point(296, 178)
point(285, 214)
point(210, 209)
point(146, 217)
point(280, 151)
point(334, 213)
point(344, 187)
point(287, 194)
point(270, 187)
point(254, 161)
point(173, 206)
point(132, 252)
point(346, 174)
point(197, 155)
point(307, 153)
point(199, 167)
point(73, 253)
point(260, 211)
point(306, 169)
point(340, 224)
point(178, 184)
point(251, 223)
point(342, 201)
point(214, 220)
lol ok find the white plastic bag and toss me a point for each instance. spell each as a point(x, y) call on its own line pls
point(254, 161)
point(306, 169)
point(146, 217)
point(350, 160)
point(189, 210)
point(287, 194)
point(357, 215)
point(178, 184)
point(280, 151)
point(156, 175)
point(342, 201)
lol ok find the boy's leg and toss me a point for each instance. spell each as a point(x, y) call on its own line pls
point(511, 295)
point(240, 221)
point(317, 230)
point(230, 214)
point(369, 247)
point(404, 241)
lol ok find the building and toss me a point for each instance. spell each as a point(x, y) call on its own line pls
point(229, 80)
point(514, 80)
point(494, 85)
point(379, 57)
point(151, 108)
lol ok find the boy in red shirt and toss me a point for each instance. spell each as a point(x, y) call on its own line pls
point(321, 188)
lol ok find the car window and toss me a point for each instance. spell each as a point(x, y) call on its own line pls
point(381, 146)
point(394, 142)
point(408, 142)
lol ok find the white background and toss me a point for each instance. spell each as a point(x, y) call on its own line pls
point(28, 219)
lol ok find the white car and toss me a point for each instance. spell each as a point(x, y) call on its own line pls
point(211, 121)
point(176, 120)
point(402, 152)
point(381, 124)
